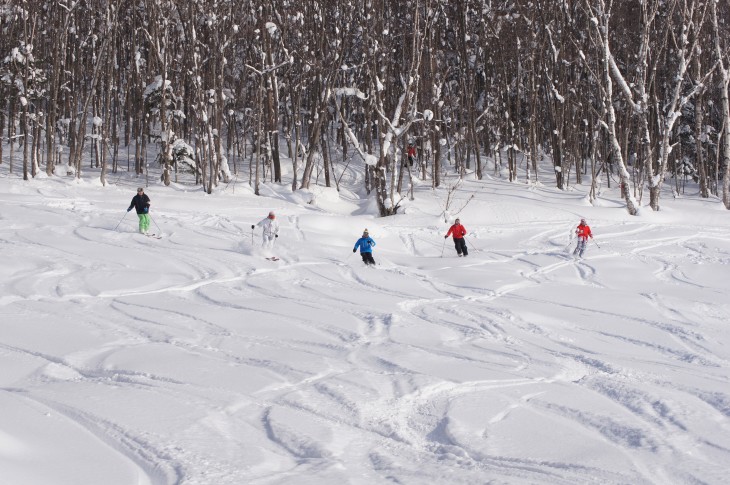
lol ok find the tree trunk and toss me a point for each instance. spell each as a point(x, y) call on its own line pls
point(724, 142)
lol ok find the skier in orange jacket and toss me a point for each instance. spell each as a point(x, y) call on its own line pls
point(584, 232)
point(459, 232)
point(411, 153)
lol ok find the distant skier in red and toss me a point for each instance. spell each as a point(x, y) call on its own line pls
point(411, 153)
point(584, 232)
point(459, 232)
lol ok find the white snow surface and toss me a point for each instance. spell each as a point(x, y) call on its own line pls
point(192, 359)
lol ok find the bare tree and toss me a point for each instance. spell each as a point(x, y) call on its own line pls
point(722, 63)
point(600, 17)
point(515, 81)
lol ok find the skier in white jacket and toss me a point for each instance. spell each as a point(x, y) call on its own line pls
point(271, 229)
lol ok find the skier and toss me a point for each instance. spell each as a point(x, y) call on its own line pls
point(459, 232)
point(365, 244)
point(411, 153)
point(141, 203)
point(271, 229)
point(584, 232)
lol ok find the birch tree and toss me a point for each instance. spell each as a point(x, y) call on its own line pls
point(685, 45)
point(600, 19)
point(721, 59)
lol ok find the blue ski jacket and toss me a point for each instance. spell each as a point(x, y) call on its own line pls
point(365, 244)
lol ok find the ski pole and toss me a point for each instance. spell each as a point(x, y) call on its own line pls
point(472, 244)
point(252, 228)
point(120, 221)
point(158, 227)
point(594, 242)
point(442, 248)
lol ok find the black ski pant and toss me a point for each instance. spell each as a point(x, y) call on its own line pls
point(367, 258)
point(460, 245)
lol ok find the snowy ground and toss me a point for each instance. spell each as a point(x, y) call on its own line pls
point(192, 359)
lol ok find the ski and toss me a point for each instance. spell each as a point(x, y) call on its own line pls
point(273, 258)
point(156, 236)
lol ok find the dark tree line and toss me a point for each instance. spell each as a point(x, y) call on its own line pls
point(629, 92)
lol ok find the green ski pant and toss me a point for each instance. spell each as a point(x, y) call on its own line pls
point(144, 222)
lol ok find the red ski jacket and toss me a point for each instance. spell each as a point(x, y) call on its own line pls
point(584, 231)
point(458, 230)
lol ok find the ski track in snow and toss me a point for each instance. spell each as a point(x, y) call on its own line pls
point(217, 367)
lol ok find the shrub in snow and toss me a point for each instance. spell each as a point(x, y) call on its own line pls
point(371, 160)
point(184, 156)
point(153, 96)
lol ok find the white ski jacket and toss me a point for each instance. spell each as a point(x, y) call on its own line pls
point(270, 226)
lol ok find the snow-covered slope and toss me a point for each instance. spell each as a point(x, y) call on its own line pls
point(192, 359)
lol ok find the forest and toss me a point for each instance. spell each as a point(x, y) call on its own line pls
point(632, 92)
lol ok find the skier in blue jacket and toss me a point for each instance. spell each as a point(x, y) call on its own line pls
point(365, 244)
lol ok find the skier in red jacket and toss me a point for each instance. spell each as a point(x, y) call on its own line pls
point(411, 153)
point(459, 232)
point(584, 232)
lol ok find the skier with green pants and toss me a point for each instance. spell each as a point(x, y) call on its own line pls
point(141, 203)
